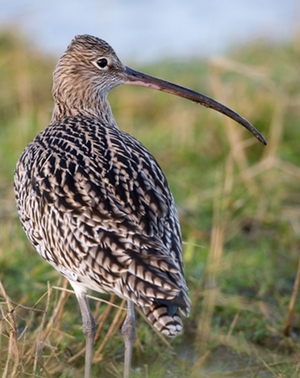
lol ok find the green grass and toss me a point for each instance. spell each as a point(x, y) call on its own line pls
point(239, 208)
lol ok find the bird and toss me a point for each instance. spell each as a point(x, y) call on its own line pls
point(95, 203)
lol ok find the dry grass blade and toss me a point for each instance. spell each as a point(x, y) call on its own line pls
point(213, 266)
point(287, 328)
point(269, 368)
point(198, 365)
point(220, 205)
point(237, 145)
point(39, 340)
point(296, 372)
point(90, 297)
point(114, 327)
point(232, 325)
point(101, 321)
point(56, 317)
point(258, 74)
point(13, 355)
point(276, 127)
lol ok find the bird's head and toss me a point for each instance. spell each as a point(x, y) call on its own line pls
point(86, 72)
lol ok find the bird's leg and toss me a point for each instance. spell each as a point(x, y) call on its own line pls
point(128, 332)
point(89, 329)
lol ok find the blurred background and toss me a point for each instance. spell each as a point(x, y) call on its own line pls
point(151, 31)
point(238, 201)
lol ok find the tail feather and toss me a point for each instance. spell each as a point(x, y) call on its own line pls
point(157, 315)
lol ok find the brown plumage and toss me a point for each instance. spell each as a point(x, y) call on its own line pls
point(95, 203)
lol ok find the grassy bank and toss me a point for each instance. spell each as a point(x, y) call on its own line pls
point(239, 208)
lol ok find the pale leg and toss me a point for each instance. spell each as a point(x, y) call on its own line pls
point(128, 332)
point(89, 329)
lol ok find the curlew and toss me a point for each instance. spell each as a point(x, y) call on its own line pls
point(95, 203)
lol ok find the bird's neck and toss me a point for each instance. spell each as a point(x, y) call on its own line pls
point(100, 110)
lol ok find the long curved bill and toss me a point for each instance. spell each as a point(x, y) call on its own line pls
point(138, 78)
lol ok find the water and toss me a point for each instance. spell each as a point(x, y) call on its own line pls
point(149, 30)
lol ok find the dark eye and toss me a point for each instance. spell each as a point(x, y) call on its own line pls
point(102, 62)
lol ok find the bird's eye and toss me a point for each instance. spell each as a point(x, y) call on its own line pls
point(102, 63)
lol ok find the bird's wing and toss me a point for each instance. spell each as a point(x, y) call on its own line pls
point(106, 209)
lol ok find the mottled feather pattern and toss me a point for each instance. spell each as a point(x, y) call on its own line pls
point(96, 205)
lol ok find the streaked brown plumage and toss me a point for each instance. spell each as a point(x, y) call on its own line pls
point(95, 203)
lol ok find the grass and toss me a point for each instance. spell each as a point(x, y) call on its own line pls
point(239, 208)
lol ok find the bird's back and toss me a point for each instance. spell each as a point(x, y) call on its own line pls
point(96, 205)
